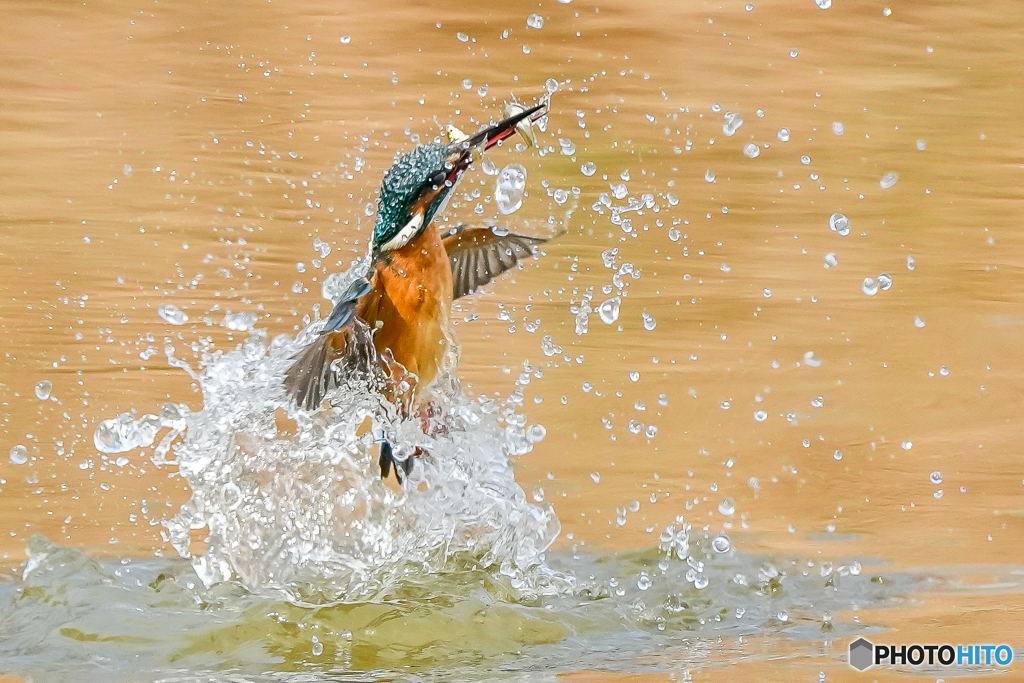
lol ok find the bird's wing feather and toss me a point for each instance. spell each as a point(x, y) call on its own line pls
point(479, 254)
point(344, 336)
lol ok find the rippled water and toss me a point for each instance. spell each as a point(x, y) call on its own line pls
point(763, 394)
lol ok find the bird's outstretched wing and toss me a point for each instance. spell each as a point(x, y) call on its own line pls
point(479, 254)
point(313, 372)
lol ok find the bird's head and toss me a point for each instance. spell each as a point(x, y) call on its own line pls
point(418, 185)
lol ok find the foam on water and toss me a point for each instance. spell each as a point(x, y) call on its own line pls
point(291, 501)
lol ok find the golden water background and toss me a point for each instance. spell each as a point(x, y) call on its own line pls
point(189, 153)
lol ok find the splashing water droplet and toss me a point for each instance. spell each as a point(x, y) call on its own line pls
point(732, 123)
point(551, 85)
point(239, 321)
point(19, 455)
point(751, 151)
point(837, 222)
point(811, 359)
point(172, 314)
point(888, 180)
point(510, 188)
point(43, 389)
point(721, 544)
point(588, 169)
point(609, 310)
point(124, 433)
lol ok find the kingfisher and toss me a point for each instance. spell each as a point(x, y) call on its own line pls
point(394, 322)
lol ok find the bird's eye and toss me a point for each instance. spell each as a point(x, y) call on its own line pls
point(437, 180)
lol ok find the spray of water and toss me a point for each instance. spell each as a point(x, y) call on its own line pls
point(292, 501)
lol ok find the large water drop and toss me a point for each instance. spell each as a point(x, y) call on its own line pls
point(510, 188)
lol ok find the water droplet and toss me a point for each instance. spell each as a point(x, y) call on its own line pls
point(783, 134)
point(767, 293)
point(830, 260)
point(596, 476)
point(700, 582)
point(751, 151)
point(732, 123)
point(239, 321)
point(551, 85)
point(918, 322)
point(172, 314)
point(760, 416)
point(560, 196)
point(838, 128)
point(907, 445)
point(609, 310)
point(804, 159)
point(837, 454)
point(922, 145)
point(817, 402)
point(634, 376)
point(721, 543)
point(651, 431)
point(510, 188)
point(944, 371)
point(538, 494)
point(935, 477)
point(43, 389)
point(837, 222)
point(884, 281)
point(750, 7)
point(318, 647)
point(793, 53)
point(888, 180)
point(887, 11)
point(345, 40)
point(463, 38)
point(674, 234)
point(19, 455)
point(811, 359)
point(709, 176)
point(644, 582)
point(911, 264)
point(649, 322)
point(727, 507)
point(535, 21)
point(588, 169)
point(124, 433)
point(870, 286)
point(489, 167)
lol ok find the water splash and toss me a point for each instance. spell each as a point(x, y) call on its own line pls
point(288, 501)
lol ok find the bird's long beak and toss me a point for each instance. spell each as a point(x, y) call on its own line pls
point(492, 135)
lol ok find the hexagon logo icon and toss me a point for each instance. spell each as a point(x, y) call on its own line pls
point(861, 654)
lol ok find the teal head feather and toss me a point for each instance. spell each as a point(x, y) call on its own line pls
point(404, 183)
